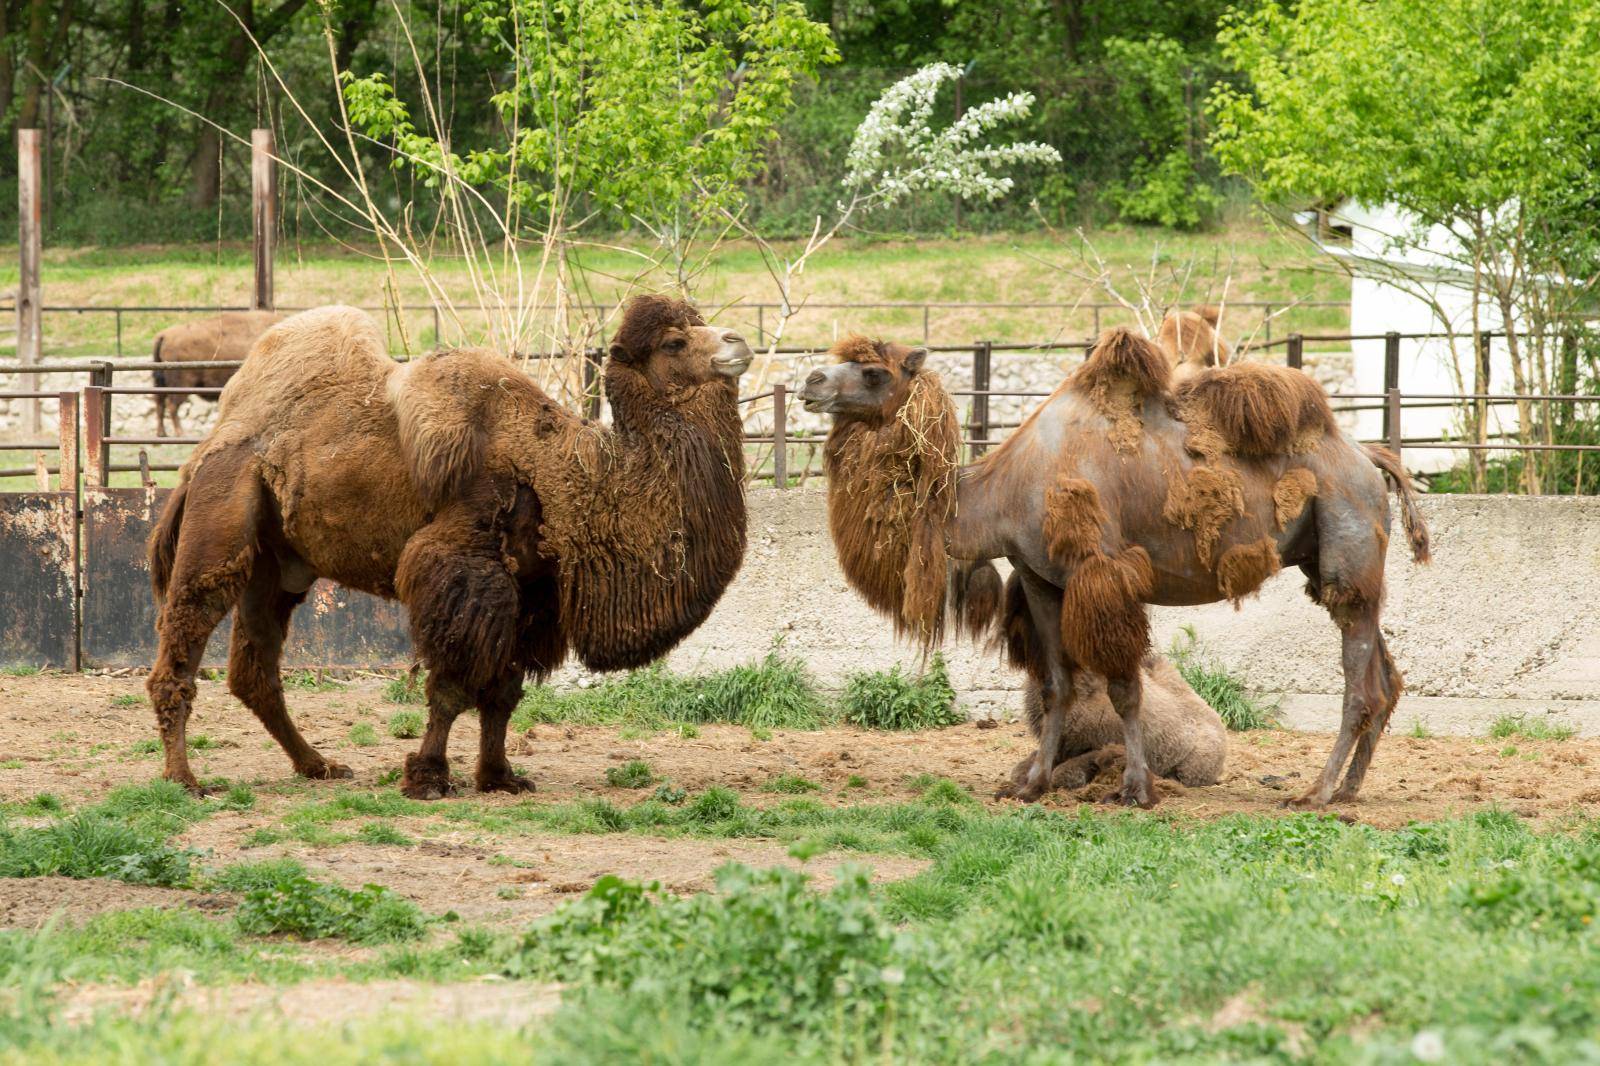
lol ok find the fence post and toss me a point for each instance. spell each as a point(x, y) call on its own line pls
point(30, 330)
point(1391, 377)
point(95, 472)
point(1391, 416)
point(438, 341)
point(780, 436)
point(101, 375)
point(761, 323)
point(264, 213)
point(1266, 321)
point(924, 323)
point(67, 430)
point(118, 316)
point(1296, 352)
point(982, 351)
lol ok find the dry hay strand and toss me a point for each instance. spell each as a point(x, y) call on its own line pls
point(1122, 371)
point(1254, 410)
point(1073, 519)
point(1291, 493)
point(1205, 501)
point(1244, 567)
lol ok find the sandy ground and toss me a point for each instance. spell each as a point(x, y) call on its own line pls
point(67, 735)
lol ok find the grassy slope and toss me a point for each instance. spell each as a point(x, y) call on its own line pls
point(1259, 939)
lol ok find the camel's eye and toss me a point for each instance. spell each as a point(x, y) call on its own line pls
point(875, 377)
point(676, 344)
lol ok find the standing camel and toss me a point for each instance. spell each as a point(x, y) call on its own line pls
point(227, 336)
point(512, 530)
point(1116, 493)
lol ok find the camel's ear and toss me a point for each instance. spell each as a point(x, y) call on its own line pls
point(914, 360)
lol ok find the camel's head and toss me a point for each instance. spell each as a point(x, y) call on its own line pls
point(667, 341)
point(869, 380)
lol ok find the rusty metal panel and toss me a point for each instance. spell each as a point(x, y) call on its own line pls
point(38, 592)
point(335, 627)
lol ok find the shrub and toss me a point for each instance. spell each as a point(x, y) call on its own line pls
point(1227, 695)
point(878, 700)
point(407, 689)
point(634, 774)
point(362, 735)
point(298, 906)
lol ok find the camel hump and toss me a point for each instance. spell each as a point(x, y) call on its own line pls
point(1254, 410)
point(1211, 313)
point(335, 341)
point(1123, 360)
point(444, 406)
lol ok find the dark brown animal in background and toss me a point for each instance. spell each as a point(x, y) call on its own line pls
point(513, 531)
point(227, 336)
point(1116, 493)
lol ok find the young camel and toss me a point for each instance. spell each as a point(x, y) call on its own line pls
point(1116, 493)
point(512, 530)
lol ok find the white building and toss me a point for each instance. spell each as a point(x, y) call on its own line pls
point(1410, 279)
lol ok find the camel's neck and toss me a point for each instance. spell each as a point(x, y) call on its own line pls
point(663, 521)
point(891, 497)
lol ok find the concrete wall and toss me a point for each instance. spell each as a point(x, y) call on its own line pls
point(1507, 618)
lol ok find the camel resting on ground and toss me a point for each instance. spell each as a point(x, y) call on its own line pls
point(513, 531)
point(1118, 492)
point(227, 336)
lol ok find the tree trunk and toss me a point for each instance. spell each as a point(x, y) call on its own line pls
point(8, 65)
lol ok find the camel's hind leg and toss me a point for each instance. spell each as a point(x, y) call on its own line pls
point(259, 627)
point(1054, 673)
point(212, 563)
point(1382, 682)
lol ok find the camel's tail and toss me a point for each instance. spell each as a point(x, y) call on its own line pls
point(1411, 519)
point(163, 545)
point(976, 597)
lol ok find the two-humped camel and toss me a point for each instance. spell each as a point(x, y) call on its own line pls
point(1118, 492)
point(513, 531)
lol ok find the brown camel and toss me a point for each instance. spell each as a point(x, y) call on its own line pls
point(513, 531)
point(1191, 342)
point(225, 336)
point(1116, 493)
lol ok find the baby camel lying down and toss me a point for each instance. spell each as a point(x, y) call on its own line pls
point(1184, 739)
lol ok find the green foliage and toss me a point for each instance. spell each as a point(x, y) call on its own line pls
point(633, 774)
point(668, 793)
point(405, 725)
point(1524, 728)
point(790, 785)
point(250, 876)
point(310, 681)
point(893, 700)
point(90, 844)
point(127, 699)
point(1211, 681)
point(1560, 896)
point(297, 906)
point(383, 833)
point(363, 735)
point(408, 689)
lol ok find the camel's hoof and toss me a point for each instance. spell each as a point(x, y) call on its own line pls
point(1124, 797)
point(1306, 802)
point(1344, 795)
point(1007, 791)
point(188, 781)
point(513, 783)
point(328, 771)
point(425, 790)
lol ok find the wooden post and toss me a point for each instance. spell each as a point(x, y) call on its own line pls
point(30, 328)
point(68, 433)
point(96, 459)
point(264, 207)
point(982, 353)
point(780, 436)
point(1296, 351)
point(1391, 416)
point(68, 437)
point(1391, 377)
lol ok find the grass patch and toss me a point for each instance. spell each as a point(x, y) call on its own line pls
point(633, 774)
point(297, 906)
point(127, 699)
point(790, 785)
point(894, 700)
point(310, 681)
point(363, 735)
point(1523, 727)
point(383, 833)
point(405, 725)
point(407, 689)
point(1227, 695)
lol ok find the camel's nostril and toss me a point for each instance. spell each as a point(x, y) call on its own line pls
point(816, 377)
point(730, 337)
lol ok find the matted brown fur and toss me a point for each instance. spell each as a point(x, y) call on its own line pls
point(1205, 501)
point(1123, 370)
point(1243, 568)
point(1291, 493)
point(1255, 410)
point(891, 491)
point(1104, 626)
point(1073, 518)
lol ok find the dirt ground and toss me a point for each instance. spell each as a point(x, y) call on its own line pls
point(75, 736)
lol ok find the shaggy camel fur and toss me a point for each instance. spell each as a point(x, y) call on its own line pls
point(1191, 342)
point(1118, 492)
point(513, 531)
point(225, 336)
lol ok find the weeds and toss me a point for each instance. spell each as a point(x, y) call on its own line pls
point(1211, 681)
point(363, 735)
point(408, 689)
point(127, 699)
point(895, 701)
point(790, 785)
point(405, 725)
point(297, 906)
point(634, 774)
point(310, 681)
point(1523, 727)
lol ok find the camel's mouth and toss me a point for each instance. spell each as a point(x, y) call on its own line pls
point(731, 366)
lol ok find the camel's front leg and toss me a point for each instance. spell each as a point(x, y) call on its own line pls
point(1138, 784)
point(427, 770)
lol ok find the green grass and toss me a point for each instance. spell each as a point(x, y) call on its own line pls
point(408, 689)
point(310, 681)
point(790, 785)
point(363, 735)
point(128, 699)
point(124, 837)
point(406, 724)
point(297, 906)
point(1227, 695)
point(894, 700)
point(1522, 727)
point(633, 774)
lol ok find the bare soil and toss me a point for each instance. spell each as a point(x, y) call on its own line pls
point(67, 735)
